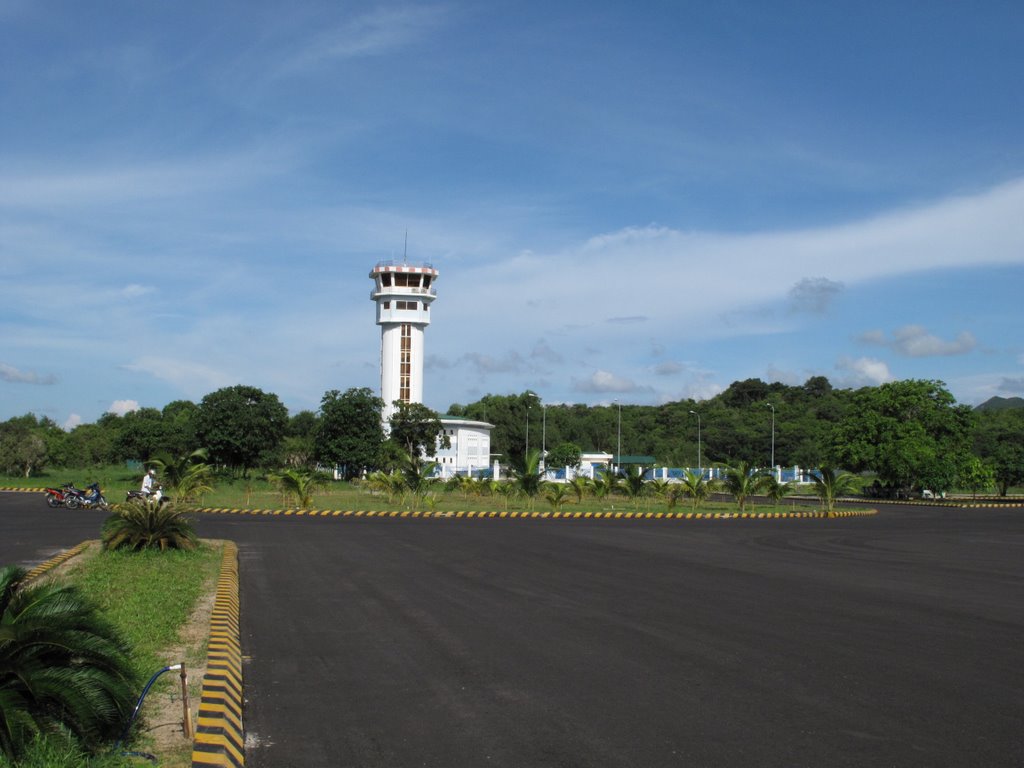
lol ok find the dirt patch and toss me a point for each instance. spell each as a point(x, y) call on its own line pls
point(163, 710)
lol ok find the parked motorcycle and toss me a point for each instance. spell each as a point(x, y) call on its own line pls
point(57, 497)
point(92, 497)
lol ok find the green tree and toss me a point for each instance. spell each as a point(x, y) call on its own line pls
point(186, 478)
point(830, 484)
point(61, 665)
point(242, 427)
point(141, 435)
point(911, 433)
point(742, 481)
point(579, 485)
point(528, 479)
point(418, 476)
point(23, 449)
point(179, 421)
point(417, 428)
point(634, 484)
point(696, 487)
point(977, 476)
point(557, 494)
point(299, 485)
point(563, 455)
point(350, 432)
point(299, 445)
point(775, 490)
point(999, 440)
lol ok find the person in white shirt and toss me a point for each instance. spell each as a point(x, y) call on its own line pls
point(147, 482)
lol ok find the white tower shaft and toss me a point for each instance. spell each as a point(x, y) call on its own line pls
point(403, 295)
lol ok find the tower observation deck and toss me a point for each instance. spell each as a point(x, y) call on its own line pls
point(403, 294)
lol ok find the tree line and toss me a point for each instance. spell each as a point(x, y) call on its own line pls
point(911, 434)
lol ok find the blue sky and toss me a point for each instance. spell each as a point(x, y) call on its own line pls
point(632, 201)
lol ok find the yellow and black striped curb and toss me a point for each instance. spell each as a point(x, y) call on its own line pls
point(23, 490)
point(428, 514)
point(56, 560)
point(220, 738)
point(941, 503)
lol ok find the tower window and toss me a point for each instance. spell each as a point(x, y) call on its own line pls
point(405, 364)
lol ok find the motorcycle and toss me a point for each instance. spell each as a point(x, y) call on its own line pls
point(89, 498)
point(157, 495)
point(57, 497)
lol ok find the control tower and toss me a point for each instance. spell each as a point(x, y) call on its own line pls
point(403, 295)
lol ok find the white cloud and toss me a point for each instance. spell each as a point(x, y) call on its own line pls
point(603, 381)
point(916, 341)
point(72, 421)
point(378, 32)
point(15, 376)
point(677, 280)
point(121, 407)
point(135, 291)
point(194, 378)
point(863, 371)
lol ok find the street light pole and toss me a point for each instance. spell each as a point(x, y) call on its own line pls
point(773, 437)
point(527, 430)
point(618, 454)
point(544, 438)
point(700, 467)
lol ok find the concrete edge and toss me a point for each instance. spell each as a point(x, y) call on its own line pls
point(58, 559)
point(220, 736)
point(491, 514)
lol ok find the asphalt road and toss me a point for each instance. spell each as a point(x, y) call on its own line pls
point(896, 640)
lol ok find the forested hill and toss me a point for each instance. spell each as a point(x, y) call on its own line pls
point(1001, 404)
point(735, 424)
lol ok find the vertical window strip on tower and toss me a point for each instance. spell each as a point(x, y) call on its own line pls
point(405, 366)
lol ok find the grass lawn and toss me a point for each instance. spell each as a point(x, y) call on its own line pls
point(160, 602)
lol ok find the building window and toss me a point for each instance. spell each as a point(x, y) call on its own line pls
point(405, 364)
point(387, 305)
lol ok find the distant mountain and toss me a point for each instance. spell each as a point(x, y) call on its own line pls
point(1001, 404)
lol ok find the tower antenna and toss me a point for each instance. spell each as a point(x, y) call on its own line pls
point(405, 250)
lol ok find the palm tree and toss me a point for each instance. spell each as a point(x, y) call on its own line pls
point(507, 491)
point(696, 487)
point(61, 665)
point(604, 484)
point(672, 494)
point(635, 485)
point(830, 484)
point(557, 495)
point(146, 524)
point(775, 490)
point(418, 476)
point(742, 481)
point(579, 485)
point(173, 470)
point(391, 485)
point(660, 488)
point(528, 480)
point(298, 484)
point(197, 480)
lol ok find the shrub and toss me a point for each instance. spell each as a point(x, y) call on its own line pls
point(145, 524)
point(61, 666)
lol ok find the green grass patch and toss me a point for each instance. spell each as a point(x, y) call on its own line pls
point(149, 595)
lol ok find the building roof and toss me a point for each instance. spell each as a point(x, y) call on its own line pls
point(453, 422)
